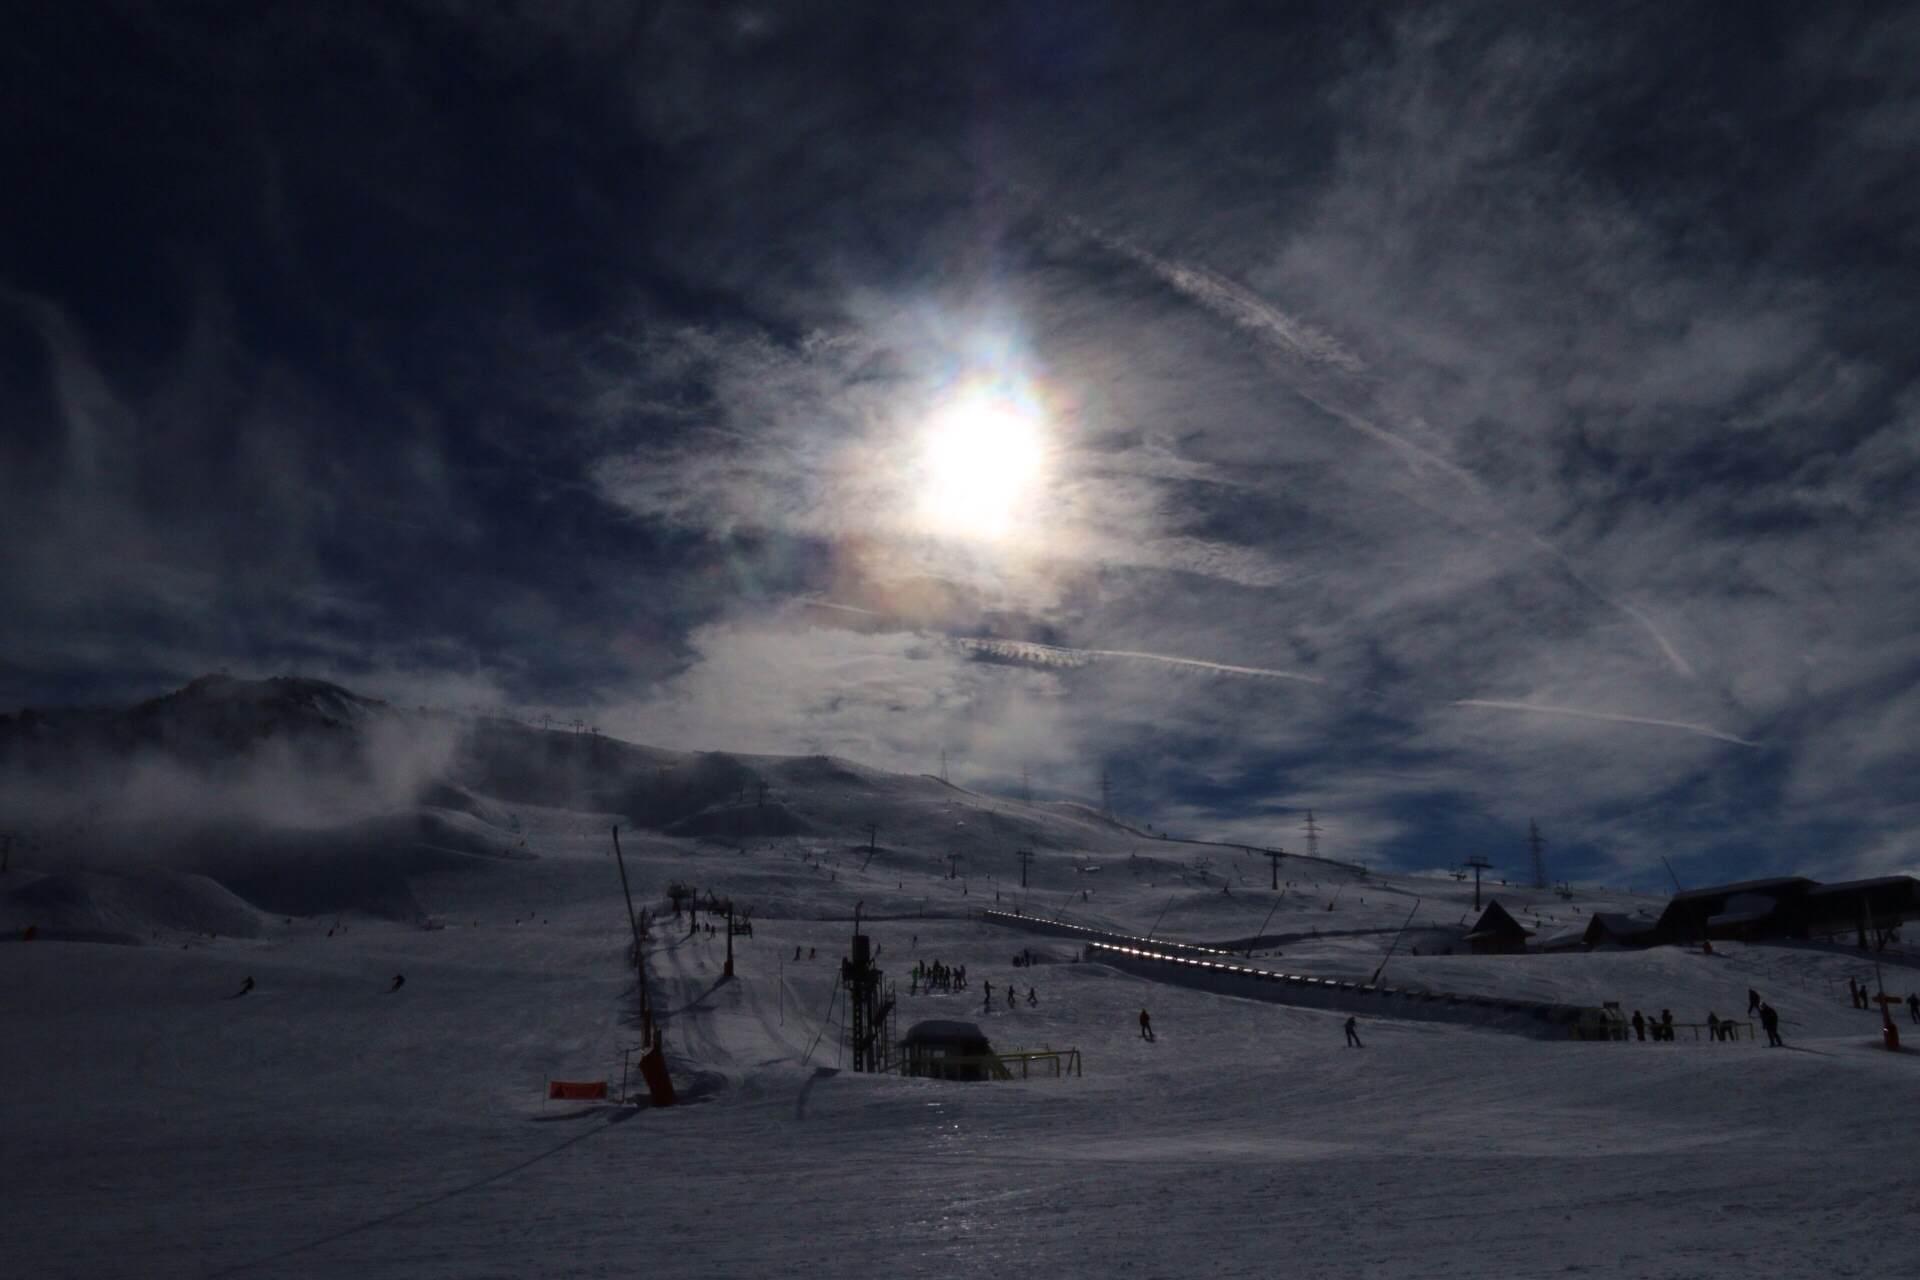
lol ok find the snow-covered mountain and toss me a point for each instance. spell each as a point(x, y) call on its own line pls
point(361, 961)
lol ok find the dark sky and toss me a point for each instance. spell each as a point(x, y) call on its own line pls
point(1439, 416)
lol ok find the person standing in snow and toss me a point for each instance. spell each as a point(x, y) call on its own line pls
point(1353, 1036)
point(1639, 1026)
point(1012, 1003)
point(1032, 999)
point(1753, 1002)
point(986, 1006)
point(1713, 1026)
point(1666, 1024)
point(1146, 1027)
point(1853, 993)
point(1913, 1006)
point(1771, 1021)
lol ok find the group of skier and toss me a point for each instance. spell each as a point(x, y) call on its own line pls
point(934, 976)
point(1718, 1028)
point(1857, 994)
point(1013, 996)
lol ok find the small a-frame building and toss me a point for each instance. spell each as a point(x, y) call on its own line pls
point(1496, 932)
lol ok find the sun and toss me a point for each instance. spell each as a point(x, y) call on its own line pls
point(980, 461)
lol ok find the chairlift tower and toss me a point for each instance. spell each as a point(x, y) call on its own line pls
point(1026, 858)
point(869, 1013)
point(1273, 856)
point(1478, 864)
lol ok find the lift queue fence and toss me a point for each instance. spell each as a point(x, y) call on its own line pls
point(995, 1066)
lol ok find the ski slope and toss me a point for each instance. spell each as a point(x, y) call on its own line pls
point(157, 1125)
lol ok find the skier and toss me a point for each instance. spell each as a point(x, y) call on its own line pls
point(1146, 1027)
point(245, 987)
point(1713, 1026)
point(1353, 1037)
point(1853, 993)
point(796, 954)
point(1012, 1003)
point(1666, 1024)
point(1753, 1002)
point(399, 981)
point(1032, 999)
point(1913, 1006)
point(986, 1006)
point(1639, 1026)
point(1771, 1021)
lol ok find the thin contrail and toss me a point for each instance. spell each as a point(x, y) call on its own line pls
point(1705, 731)
point(1054, 655)
point(1246, 310)
point(841, 608)
point(1231, 301)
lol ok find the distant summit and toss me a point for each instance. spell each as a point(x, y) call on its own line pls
point(226, 705)
point(212, 718)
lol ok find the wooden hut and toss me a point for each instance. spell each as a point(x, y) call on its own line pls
point(1496, 932)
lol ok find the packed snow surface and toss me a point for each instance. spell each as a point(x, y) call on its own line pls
point(158, 1123)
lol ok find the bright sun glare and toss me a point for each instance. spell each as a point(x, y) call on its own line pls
point(981, 461)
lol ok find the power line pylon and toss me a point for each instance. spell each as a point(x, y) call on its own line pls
point(1313, 836)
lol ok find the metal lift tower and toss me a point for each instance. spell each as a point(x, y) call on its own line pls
point(870, 1012)
point(1478, 864)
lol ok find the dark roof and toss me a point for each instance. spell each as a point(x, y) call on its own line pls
point(946, 1030)
point(1495, 922)
point(1745, 886)
point(1619, 923)
point(1877, 882)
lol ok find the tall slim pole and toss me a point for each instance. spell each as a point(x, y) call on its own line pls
point(1263, 925)
point(1375, 980)
point(639, 956)
point(1157, 919)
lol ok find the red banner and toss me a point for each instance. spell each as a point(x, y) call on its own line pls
point(581, 1090)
